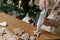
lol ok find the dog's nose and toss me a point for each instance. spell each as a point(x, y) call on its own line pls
point(31, 21)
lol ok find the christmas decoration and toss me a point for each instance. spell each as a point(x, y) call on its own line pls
point(30, 3)
point(9, 2)
point(40, 22)
point(25, 36)
point(41, 18)
point(43, 5)
point(21, 7)
point(19, 4)
point(22, 34)
point(32, 38)
point(18, 31)
point(37, 2)
point(53, 15)
point(7, 34)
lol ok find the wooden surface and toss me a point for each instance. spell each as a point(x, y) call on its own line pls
point(16, 23)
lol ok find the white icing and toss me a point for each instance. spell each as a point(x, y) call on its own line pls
point(25, 36)
point(3, 24)
point(41, 19)
point(13, 38)
point(32, 38)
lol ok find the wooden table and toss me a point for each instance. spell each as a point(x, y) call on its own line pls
point(16, 23)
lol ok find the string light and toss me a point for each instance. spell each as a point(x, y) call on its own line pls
point(19, 4)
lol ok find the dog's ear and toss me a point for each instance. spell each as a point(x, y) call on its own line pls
point(37, 2)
